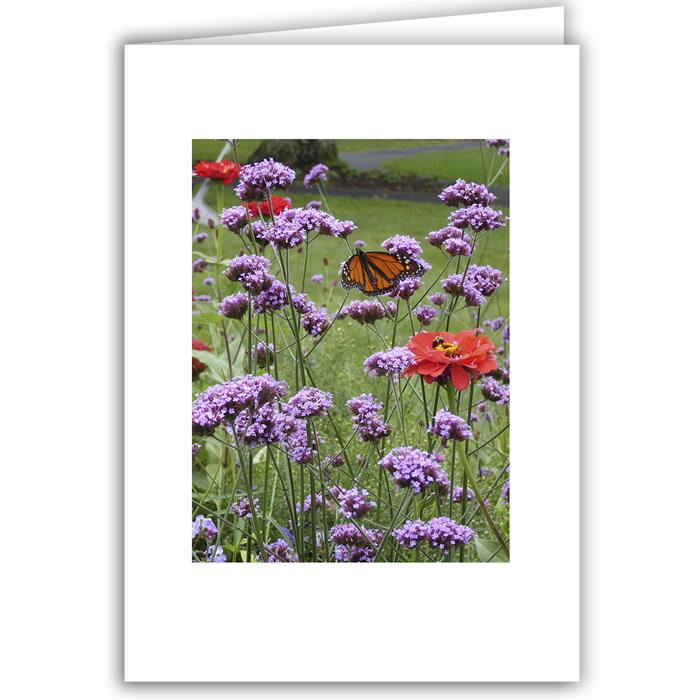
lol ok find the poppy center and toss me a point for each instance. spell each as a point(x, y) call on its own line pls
point(446, 348)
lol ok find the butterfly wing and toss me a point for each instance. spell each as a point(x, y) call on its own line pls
point(377, 272)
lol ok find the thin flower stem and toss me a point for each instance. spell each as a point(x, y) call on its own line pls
point(470, 479)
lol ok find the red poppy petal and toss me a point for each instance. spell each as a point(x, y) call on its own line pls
point(460, 377)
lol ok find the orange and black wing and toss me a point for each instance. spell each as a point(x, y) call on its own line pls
point(377, 272)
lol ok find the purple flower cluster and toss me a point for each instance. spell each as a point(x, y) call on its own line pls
point(315, 322)
point(365, 311)
point(465, 194)
point(366, 419)
point(209, 281)
point(317, 174)
point(198, 265)
point(495, 324)
point(257, 180)
point(390, 362)
point(353, 544)
point(493, 391)
point(406, 288)
point(317, 279)
point(485, 279)
point(241, 507)
point(438, 299)
point(251, 272)
point(314, 204)
point(505, 492)
point(202, 236)
point(478, 218)
point(447, 426)
point(437, 238)
point(196, 447)
point(302, 304)
point(215, 554)
point(317, 500)
point(414, 468)
point(359, 244)
point(234, 218)
point(425, 314)
point(202, 297)
point(440, 533)
point(457, 246)
point(354, 503)
point(309, 402)
point(273, 298)
point(459, 285)
point(222, 403)
point(279, 552)
point(291, 227)
point(234, 306)
point(204, 527)
point(404, 246)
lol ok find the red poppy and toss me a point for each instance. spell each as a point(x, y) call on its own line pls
point(197, 365)
point(279, 204)
point(224, 170)
point(457, 356)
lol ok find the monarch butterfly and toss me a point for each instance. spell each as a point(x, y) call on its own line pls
point(377, 272)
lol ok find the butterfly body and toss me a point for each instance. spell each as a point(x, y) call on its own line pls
point(377, 272)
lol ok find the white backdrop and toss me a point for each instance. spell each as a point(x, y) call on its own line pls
point(62, 241)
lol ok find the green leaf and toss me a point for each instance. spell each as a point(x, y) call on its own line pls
point(488, 550)
point(200, 480)
point(217, 365)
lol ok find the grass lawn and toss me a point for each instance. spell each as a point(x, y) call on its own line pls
point(450, 165)
point(209, 149)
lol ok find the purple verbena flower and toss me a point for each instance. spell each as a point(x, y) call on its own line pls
point(234, 306)
point(465, 194)
point(209, 281)
point(437, 238)
point(478, 218)
point(201, 297)
point(485, 279)
point(369, 425)
point(457, 246)
point(414, 468)
point(279, 552)
point(438, 299)
point(234, 218)
point(406, 288)
point(302, 304)
point(250, 271)
point(258, 180)
point(505, 492)
point(390, 362)
point(359, 244)
point(353, 544)
point(202, 236)
point(198, 265)
point(273, 298)
point(215, 554)
point(354, 503)
point(196, 447)
point(222, 403)
point(309, 402)
point(315, 322)
point(317, 279)
point(314, 204)
point(317, 174)
point(365, 311)
point(241, 507)
point(425, 314)
point(493, 391)
point(495, 324)
point(204, 527)
point(447, 426)
point(404, 246)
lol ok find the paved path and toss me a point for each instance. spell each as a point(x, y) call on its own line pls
point(369, 160)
